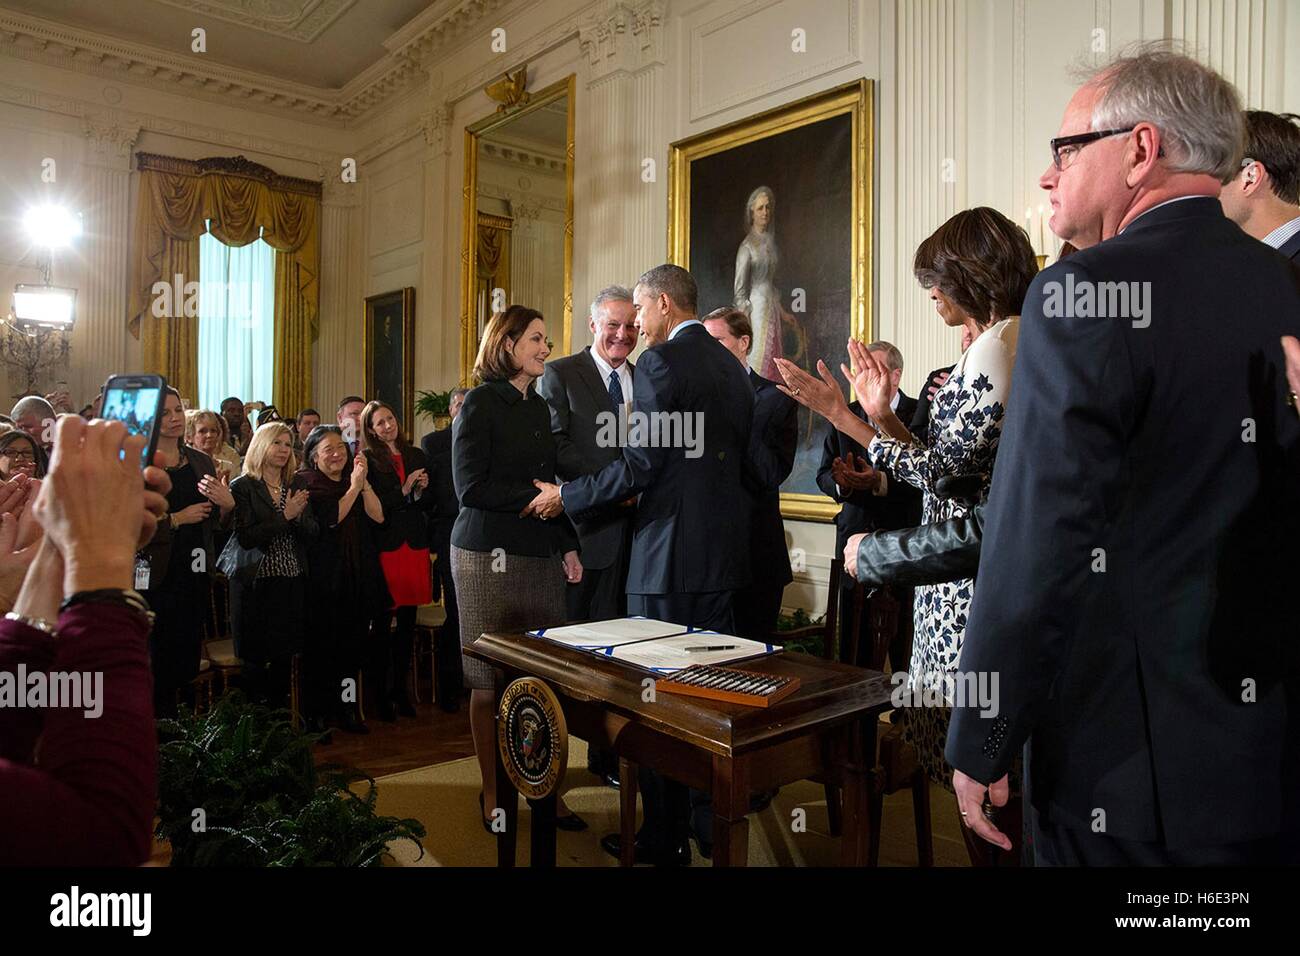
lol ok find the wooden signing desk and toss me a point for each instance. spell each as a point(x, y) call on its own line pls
point(826, 729)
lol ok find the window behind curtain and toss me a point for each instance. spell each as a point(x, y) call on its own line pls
point(236, 321)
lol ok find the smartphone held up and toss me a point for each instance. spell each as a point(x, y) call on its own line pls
point(137, 402)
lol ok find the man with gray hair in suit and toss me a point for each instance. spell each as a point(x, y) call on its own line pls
point(584, 390)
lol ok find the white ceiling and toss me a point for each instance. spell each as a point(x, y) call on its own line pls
point(322, 43)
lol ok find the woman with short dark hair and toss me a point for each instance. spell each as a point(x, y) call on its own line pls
point(510, 570)
point(19, 454)
point(978, 266)
point(345, 583)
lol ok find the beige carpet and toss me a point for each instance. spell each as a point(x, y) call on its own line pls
point(445, 799)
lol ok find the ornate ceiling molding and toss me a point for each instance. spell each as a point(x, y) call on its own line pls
point(410, 51)
point(71, 48)
point(301, 20)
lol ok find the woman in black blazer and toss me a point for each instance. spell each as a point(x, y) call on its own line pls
point(399, 475)
point(510, 570)
point(172, 571)
point(268, 599)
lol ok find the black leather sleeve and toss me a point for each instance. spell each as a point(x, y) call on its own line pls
point(931, 554)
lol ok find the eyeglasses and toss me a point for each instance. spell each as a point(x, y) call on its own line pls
point(1064, 148)
point(17, 455)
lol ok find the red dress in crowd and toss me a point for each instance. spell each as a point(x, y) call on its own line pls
point(406, 569)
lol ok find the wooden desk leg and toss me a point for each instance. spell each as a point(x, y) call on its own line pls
point(858, 771)
point(627, 784)
point(730, 800)
point(507, 795)
point(542, 842)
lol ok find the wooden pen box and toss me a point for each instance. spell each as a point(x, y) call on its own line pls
point(751, 688)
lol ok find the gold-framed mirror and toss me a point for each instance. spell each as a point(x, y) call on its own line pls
point(517, 226)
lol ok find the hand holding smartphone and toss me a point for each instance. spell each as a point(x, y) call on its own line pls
point(137, 402)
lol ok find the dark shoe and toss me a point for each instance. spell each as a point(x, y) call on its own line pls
point(352, 723)
point(613, 780)
point(761, 801)
point(706, 848)
point(482, 813)
point(612, 844)
point(571, 823)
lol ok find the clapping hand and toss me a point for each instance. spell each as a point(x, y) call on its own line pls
point(20, 537)
point(360, 469)
point(417, 480)
point(851, 477)
point(217, 490)
point(871, 378)
point(822, 396)
point(296, 504)
point(547, 504)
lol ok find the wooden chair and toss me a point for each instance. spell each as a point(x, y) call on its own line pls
point(223, 660)
point(826, 631)
point(896, 764)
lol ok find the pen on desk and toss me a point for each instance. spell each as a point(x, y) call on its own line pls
point(710, 647)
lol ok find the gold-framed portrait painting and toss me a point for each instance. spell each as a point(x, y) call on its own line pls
point(389, 350)
point(772, 215)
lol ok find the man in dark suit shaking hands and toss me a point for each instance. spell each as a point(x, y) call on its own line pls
point(583, 390)
point(694, 406)
point(1264, 197)
point(1133, 582)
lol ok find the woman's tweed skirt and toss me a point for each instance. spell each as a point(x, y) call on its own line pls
point(525, 593)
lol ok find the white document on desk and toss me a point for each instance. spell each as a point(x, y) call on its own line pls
point(601, 637)
point(668, 654)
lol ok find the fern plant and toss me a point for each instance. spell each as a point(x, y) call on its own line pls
point(263, 800)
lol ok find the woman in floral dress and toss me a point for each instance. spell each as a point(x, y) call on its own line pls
point(977, 267)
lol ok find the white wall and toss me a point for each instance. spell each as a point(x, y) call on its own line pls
point(979, 82)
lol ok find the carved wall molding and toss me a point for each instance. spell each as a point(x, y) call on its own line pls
point(534, 159)
point(148, 122)
point(109, 137)
point(622, 37)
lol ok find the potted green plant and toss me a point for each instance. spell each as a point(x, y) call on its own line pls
point(435, 405)
point(238, 786)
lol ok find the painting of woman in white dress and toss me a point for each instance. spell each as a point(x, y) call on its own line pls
point(770, 215)
point(756, 293)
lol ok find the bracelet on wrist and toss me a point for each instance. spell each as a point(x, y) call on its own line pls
point(119, 597)
point(39, 623)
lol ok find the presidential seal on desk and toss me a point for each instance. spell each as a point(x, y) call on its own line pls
point(532, 736)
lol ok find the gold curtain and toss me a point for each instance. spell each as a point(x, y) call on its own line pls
point(242, 200)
